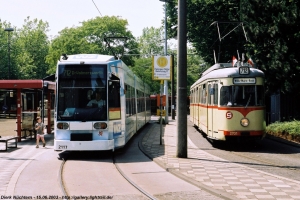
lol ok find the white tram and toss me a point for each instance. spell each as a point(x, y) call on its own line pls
point(227, 103)
point(82, 122)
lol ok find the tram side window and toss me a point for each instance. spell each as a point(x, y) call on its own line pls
point(203, 100)
point(143, 102)
point(114, 94)
point(140, 107)
point(114, 99)
point(138, 101)
point(200, 95)
point(196, 96)
point(213, 94)
point(210, 93)
point(130, 99)
point(133, 101)
point(127, 98)
point(148, 102)
point(216, 94)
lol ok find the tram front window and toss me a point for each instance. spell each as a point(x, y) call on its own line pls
point(82, 93)
point(242, 95)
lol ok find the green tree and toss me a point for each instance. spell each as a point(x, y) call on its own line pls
point(143, 69)
point(274, 41)
point(90, 38)
point(151, 42)
point(4, 49)
point(29, 46)
point(272, 30)
point(203, 35)
point(31, 49)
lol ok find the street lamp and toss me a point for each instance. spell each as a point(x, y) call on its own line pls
point(8, 42)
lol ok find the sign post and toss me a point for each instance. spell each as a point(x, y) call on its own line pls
point(161, 70)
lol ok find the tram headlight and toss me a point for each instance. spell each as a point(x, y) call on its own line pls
point(100, 125)
point(62, 125)
point(245, 122)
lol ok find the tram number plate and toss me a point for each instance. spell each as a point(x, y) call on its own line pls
point(244, 70)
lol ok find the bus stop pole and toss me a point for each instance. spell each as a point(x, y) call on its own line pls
point(160, 103)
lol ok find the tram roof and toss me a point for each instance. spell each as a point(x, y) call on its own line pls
point(86, 58)
point(226, 70)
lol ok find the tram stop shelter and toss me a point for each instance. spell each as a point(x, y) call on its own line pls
point(22, 100)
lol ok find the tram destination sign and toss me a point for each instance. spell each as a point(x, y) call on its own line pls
point(244, 81)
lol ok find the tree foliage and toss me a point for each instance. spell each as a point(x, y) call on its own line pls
point(32, 47)
point(272, 32)
point(90, 38)
point(274, 35)
point(28, 48)
point(4, 49)
point(150, 42)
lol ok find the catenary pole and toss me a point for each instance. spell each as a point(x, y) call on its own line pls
point(173, 90)
point(182, 82)
point(165, 81)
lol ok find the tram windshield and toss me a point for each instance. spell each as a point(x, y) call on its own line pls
point(81, 94)
point(242, 95)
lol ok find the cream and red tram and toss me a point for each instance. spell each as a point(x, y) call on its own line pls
point(227, 103)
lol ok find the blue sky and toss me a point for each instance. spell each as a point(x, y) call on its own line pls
point(68, 13)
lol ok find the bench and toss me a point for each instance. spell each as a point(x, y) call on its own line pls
point(5, 139)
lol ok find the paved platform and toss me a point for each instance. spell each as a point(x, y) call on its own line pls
point(213, 174)
point(8, 127)
point(14, 161)
point(216, 178)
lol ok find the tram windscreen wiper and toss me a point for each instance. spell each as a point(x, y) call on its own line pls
point(248, 101)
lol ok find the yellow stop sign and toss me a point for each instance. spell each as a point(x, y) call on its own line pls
point(162, 61)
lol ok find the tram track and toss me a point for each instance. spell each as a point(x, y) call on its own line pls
point(68, 193)
point(131, 182)
point(60, 177)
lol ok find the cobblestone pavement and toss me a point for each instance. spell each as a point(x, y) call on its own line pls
point(214, 174)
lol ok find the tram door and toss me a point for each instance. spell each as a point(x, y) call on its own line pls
point(212, 107)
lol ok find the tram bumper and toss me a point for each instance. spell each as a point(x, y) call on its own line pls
point(95, 145)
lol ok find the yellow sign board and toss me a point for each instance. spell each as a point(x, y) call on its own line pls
point(161, 67)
